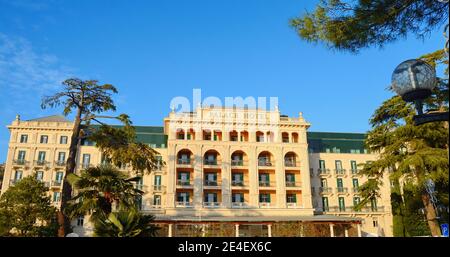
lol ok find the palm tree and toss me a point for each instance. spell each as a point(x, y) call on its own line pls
point(99, 189)
point(125, 223)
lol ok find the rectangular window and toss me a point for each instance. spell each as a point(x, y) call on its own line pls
point(41, 156)
point(322, 164)
point(18, 175)
point(341, 204)
point(325, 204)
point(355, 183)
point(40, 175)
point(44, 139)
point(353, 165)
point(86, 160)
point(23, 139)
point(63, 140)
point(183, 197)
point(61, 157)
point(21, 156)
point(339, 183)
point(356, 201)
point(237, 198)
point(375, 222)
point(291, 198)
point(56, 197)
point(59, 176)
point(157, 180)
point(157, 200)
point(80, 221)
point(338, 165)
point(373, 204)
point(264, 179)
point(211, 197)
point(323, 182)
point(264, 198)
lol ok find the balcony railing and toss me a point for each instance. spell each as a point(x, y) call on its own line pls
point(60, 163)
point(237, 183)
point(351, 209)
point(341, 190)
point(211, 204)
point(184, 204)
point(237, 162)
point(266, 183)
point(264, 204)
point(290, 163)
point(211, 183)
point(184, 161)
point(20, 162)
point(210, 162)
point(354, 171)
point(323, 171)
point(239, 205)
point(293, 184)
point(264, 163)
point(159, 188)
point(57, 183)
point(40, 162)
point(181, 182)
point(355, 190)
point(340, 172)
point(325, 190)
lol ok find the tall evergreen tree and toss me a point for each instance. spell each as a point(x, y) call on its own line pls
point(89, 99)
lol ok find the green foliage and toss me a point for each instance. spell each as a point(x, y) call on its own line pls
point(125, 223)
point(25, 210)
point(120, 147)
point(98, 188)
point(352, 25)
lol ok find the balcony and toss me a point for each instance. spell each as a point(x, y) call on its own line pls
point(238, 183)
point(293, 184)
point(181, 182)
point(210, 162)
point(355, 190)
point(323, 172)
point(184, 162)
point(86, 165)
point(264, 205)
point(20, 162)
point(264, 163)
point(325, 190)
point(238, 205)
point(340, 172)
point(355, 172)
point(60, 163)
point(41, 163)
point(211, 183)
point(183, 204)
point(352, 210)
point(341, 190)
point(266, 184)
point(159, 188)
point(211, 204)
point(56, 184)
point(290, 163)
point(238, 163)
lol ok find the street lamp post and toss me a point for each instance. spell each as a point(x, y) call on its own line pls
point(414, 81)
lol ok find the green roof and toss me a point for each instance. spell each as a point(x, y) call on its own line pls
point(151, 135)
point(333, 142)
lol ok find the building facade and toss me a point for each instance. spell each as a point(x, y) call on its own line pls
point(227, 172)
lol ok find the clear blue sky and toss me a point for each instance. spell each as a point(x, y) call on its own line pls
point(156, 50)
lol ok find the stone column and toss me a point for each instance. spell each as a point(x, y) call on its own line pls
point(346, 232)
point(169, 234)
point(269, 230)
point(358, 226)
point(198, 178)
point(331, 230)
point(226, 177)
point(236, 229)
point(280, 179)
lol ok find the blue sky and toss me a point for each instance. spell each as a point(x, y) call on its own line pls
point(153, 51)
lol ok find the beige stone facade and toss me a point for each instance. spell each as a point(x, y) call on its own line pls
point(222, 165)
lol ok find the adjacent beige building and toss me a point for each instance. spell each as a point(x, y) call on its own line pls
point(228, 172)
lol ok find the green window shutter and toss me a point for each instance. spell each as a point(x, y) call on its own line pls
point(215, 197)
point(188, 175)
point(268, 196)
point(215, 176)
point(260, 198)
point(339, 182)
point(242, 197)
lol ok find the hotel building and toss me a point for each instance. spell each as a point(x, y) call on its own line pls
point(227, 172)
